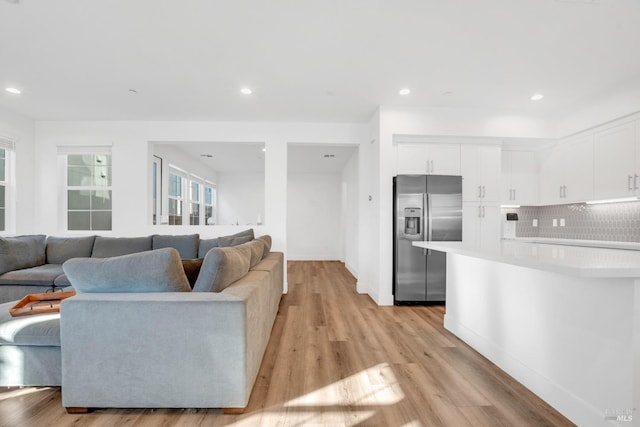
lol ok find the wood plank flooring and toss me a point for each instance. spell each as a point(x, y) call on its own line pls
point(337, 359)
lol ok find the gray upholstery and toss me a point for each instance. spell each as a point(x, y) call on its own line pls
point(37, 329)
point(221, 267)
point(104, 247)
point(226, 241)
point(21, 252)
point(154, 271)
point(173, 350)
point(206, 245)
point(42, 275)
point(60, 249)
point(36, 364)
point(186, 245)
point(257, 249)
point(266, 239)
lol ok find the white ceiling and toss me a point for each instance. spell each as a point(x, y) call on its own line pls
point(310, 60)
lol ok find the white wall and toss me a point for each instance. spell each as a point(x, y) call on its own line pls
point(314, 214)
point(350, 214)
point(240, 197)
point(20, 130)
point(132, 169)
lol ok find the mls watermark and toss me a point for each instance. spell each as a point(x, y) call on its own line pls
point(619, 414)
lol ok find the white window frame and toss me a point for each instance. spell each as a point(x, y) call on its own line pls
point(214, 203)
point(63, 153)
point(156, 163)
point(199, 201)
point(8, 145)
point(173, 170)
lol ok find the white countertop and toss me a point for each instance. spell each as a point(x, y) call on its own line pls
point(566, 259)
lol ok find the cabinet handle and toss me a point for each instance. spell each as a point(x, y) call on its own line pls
point(479, 191)
point(484, 193)
point(432, 167)
point(565, 191)
point(514, 194)
point(629, 182)
point(479, 212)
point(483, 212)
point(635, 181)
point(561, 191)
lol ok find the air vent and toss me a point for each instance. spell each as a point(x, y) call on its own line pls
point(206, 155)
point(329, 156)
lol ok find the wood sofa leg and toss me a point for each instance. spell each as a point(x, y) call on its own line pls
point(77, 410)
point(233, 411)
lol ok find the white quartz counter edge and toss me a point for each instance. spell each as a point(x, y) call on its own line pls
point(571, 260)
point(577, 242)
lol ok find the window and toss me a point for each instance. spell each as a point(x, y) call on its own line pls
point(156, 190)
point(194, 205)
point(209, 204)
point(6, 205)
point(89, 191)
point(176, 201)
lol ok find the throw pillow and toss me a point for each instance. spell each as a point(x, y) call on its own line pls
point(105, 247)
point(221, 267)
point(60, 249)
point(186, 245)
point(21, 252)
point(153, 271)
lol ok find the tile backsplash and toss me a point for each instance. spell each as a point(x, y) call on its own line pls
point(617, 222)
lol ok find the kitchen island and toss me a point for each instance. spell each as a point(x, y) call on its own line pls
point(562, 320)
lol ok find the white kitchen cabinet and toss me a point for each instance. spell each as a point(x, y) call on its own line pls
point(566, 171)
point(480, 167)
point(519, 181)
point(480, 225)
point(432, 159)
point(616, 164)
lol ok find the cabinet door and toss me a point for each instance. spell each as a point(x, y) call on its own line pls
point(614, 162)
point(412, 159)
point(444, 158)
point(577, 161)
point(524, 177)
point(471, 215)
point(480, 167)
point(506, 189)
point(490, 227)
point(490, 159)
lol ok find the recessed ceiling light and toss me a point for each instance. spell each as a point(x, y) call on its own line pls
point(264, 150)
point(537, 97)
point(246, 91)
point(13, 90)
point(405, 91)
point(329, 156)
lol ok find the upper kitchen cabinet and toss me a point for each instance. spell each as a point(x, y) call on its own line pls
point(617, 161)
point(480, 166)
point(566, 171)
point(519, 178)
point(432, 159)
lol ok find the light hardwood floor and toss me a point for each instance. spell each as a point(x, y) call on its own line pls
point(335, 358)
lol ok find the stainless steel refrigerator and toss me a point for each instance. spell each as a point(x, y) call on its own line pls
point(428, 208)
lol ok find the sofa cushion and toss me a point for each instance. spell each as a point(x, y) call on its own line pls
point(154, 271)
point(206, 245)
point(227, 241)
point(266, 239)
point(186, 245)
point(257, 249)
point(42, 275)
point(21, 252)
point(221, 267)
point(116, 246)
point(36, 330)
point(60, 249)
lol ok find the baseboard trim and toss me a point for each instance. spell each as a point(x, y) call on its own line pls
point(565, 402)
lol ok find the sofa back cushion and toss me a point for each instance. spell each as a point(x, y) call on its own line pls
point(225, 241)
point(266, 239)
point(105, 247)
point(186, 245)
point(153, 271)
point(257, 249)
point(206, 245)
point(221, 267)
point(21, 252)
point(60, 249)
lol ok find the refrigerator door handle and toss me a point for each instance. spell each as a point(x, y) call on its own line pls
point(427, 212)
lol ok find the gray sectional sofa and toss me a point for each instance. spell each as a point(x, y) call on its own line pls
point(137, 335)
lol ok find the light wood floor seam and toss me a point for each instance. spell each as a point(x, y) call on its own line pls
point(336, 358)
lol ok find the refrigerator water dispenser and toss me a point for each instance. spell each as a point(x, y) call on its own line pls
point(412, 218)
